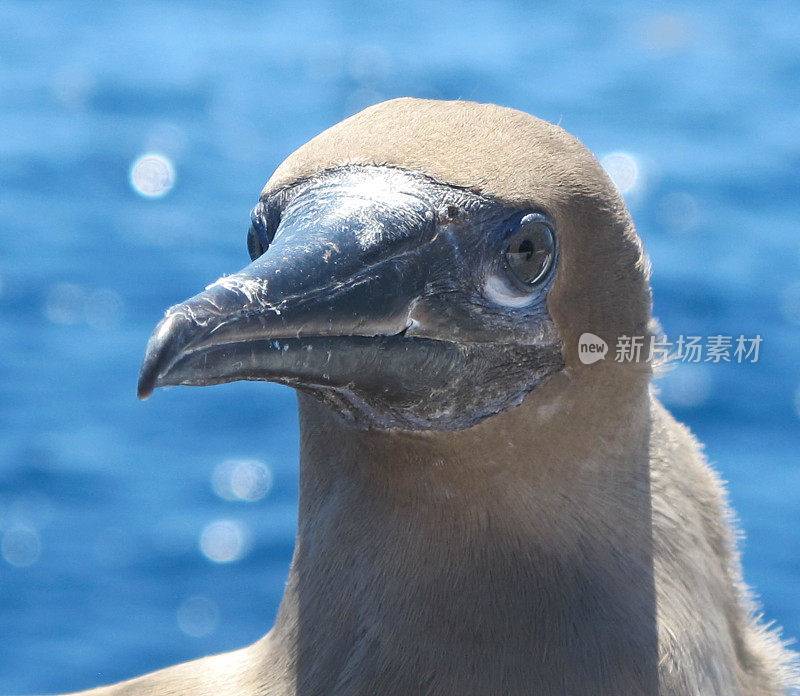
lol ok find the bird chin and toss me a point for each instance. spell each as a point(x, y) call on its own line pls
point(385, 382)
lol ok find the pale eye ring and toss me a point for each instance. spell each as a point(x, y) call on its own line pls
point(530, 250)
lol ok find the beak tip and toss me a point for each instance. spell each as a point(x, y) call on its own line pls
point(147, 383)
point(168, 339)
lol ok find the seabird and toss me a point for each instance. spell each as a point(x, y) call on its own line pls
point(481, 511)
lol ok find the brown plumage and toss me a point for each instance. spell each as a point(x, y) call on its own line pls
point(575, 544)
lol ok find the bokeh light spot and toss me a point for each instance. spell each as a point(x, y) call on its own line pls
point(198, 616)
point(65, 304)
point(70, 304)
point(623, 170)
point(241, 479)
point(21, 546)
point(224, 541)
point(152, 176)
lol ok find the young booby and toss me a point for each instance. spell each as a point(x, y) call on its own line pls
point(480, 511)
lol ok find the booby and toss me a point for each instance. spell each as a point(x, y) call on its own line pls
point(480, 511)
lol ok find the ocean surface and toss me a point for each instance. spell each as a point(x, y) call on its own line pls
point(136, 535)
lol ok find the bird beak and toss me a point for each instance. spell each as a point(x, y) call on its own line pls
point(337, 283)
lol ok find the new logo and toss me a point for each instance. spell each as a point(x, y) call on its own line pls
point(591, 348)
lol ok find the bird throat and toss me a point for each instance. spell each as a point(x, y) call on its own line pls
point(459, 562)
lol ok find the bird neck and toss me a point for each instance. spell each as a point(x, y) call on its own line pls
point(518, 549)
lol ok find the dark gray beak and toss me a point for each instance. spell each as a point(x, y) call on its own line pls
point(339, 280)
point(368, 301)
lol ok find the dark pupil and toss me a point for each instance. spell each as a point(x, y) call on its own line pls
point(526, 249)
point(525, 259)
point(529, 253)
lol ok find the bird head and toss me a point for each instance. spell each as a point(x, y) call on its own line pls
point(422, 265)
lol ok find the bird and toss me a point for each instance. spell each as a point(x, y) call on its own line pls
point(483, 510)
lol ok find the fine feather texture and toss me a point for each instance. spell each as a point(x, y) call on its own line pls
point(576, 544)
point(520, 160)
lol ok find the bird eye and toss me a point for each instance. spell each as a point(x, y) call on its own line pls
point(530, 250)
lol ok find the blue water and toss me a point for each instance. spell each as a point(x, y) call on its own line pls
point(104, 500)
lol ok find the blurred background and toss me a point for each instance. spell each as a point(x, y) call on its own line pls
point(135, 138)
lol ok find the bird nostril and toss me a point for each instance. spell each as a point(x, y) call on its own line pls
point(449, 214)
